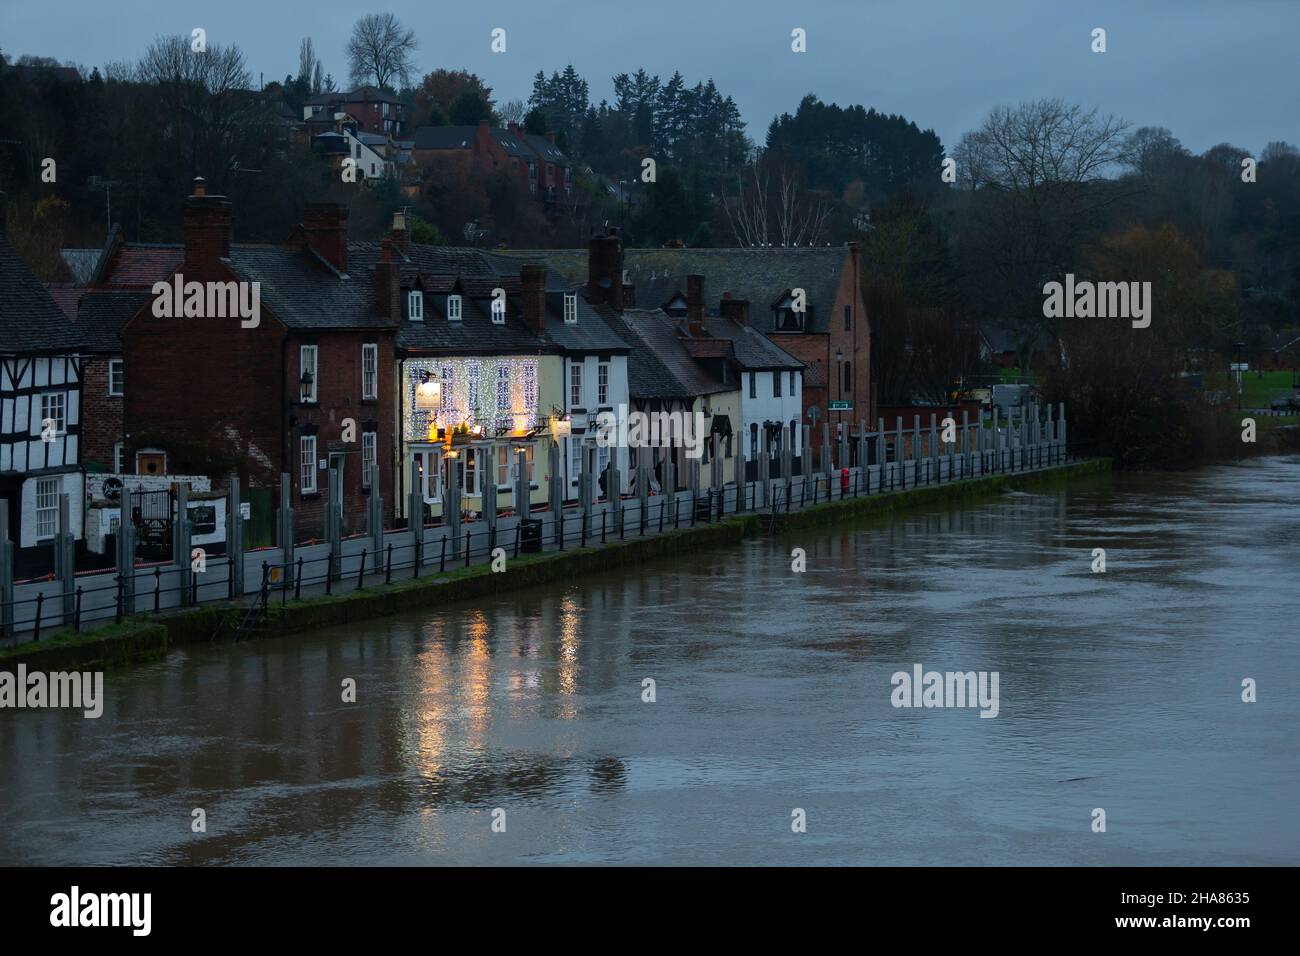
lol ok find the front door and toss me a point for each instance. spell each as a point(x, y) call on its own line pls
point(336, 461)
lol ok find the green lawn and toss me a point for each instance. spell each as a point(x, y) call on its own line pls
point(1258, 388)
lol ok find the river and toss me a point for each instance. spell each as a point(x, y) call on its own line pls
point(1119, 691)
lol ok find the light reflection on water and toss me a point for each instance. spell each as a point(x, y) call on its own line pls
point(1118, 691)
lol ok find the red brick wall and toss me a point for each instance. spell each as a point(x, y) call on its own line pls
point(338, 392)
point(206, 390)
point(855, 343)
point(101, 413)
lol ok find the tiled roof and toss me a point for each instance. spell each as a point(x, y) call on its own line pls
point(445, 137)
point(141, 264)
point(759, 275)
point(474, 334)
point(647, 376)
point(304, 292)
point(30, 321)
point(752, 349)
point(658, 331)
point(589, 334)
point(548, 150)
point(707, 348)
point(66, 295)
point(102, 313)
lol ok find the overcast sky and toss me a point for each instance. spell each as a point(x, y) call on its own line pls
point(1210, 70)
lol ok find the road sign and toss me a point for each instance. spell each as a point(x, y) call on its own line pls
point(245, 511)
point(841, 405)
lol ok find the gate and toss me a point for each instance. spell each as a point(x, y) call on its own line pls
point(151, 514)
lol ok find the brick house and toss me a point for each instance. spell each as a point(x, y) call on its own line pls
point(375, 110)
point(830, 337)
point(540, 168)
point(307, 387)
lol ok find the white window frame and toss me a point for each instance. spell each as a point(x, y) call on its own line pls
point(120, 366)
point(471, 473)
point(369, 371)
point(455, 308)
point(47, 513)
point(415, 305)
point(369, 455)
point(571, 308)
point(575, 385)
point(602, 383)
point(119, 458)
point(54, 405)
point(307, 464)
point(575, 459)
point(776, 384)
point(309, 361)
point(504, 466)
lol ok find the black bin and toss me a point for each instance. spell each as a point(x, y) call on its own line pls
point(530, 535)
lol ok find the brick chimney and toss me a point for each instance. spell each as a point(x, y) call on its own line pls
point(399, 234)
point(207, 227)
point(325, 225)
point(514, 129)
point(605, 269)
point(532, 277)
point(388, 285)
point(735, 309)
point(550, 137)
point(695, 305)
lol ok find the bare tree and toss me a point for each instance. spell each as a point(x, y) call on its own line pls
point(512, 111)
point(381, 49)
point(1038, 186)
point(780, 213)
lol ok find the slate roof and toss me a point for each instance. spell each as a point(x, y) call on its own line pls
point(445, 137)
point(647, 376)
point(30, 321)
point(66, 296)
point(101, 314)
point(751, 349)
point(658, 331)
point(759, 275)
point(304, 292)
point(546, 149)
point(443, 269)
point(141, 264)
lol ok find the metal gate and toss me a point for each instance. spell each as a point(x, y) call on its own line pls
point(151, 513)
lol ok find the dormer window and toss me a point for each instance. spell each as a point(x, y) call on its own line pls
point(571, 308)
point(498, 311)
point(415, 305)
point(453, 308)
